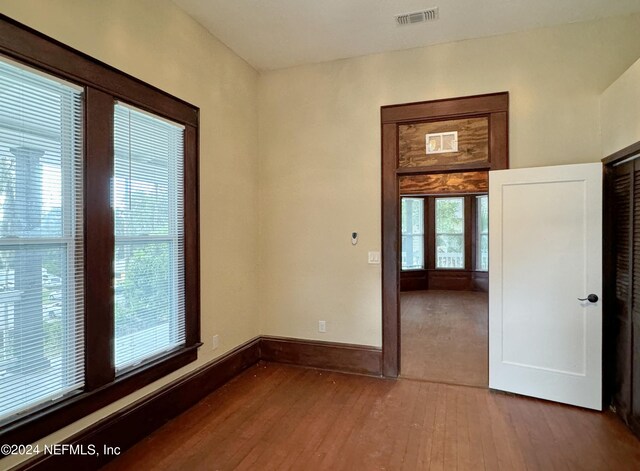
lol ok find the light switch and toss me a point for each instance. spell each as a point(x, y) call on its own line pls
point(322, 326)
point(374, 258)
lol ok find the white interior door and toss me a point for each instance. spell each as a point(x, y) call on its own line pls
point(545, 252)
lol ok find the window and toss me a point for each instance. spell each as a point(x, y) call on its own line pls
point(99, 234)
point(149, 236)
point(412, 233)
point(482, 249)
point(449, 215)
point(441, 233)
point(41, 243)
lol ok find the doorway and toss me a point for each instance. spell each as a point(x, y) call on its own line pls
point(447, 144)
point(443, 286)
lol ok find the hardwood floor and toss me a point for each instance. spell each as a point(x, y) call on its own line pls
point(444, 336)
point(278, 417)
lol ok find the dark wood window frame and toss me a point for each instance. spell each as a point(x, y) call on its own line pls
point(103, 86)
point(496, 107)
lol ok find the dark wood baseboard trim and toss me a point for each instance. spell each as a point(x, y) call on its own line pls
point(131, 424)
point(324, 355)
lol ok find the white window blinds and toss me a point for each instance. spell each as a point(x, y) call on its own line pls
point(41, 239)
point(149, 234)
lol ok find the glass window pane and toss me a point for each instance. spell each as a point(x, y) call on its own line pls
point(449, 232)
point(412, 233)
point(482, 251)
point(412, 252)
point(144, 304)
point(41, 239)
point(449, 251)
point(149, 260)
point(449, 215)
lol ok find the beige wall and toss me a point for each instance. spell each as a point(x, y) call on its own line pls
point(158, 43)
point(620, 110)
point(320, 153)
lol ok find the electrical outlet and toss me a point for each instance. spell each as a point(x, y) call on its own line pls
point(215, 342)
point(322, 326)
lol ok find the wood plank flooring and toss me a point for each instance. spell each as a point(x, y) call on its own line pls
point(278, 417)
point(444, 336)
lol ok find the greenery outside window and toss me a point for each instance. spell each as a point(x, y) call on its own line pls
point(149, 231)
point(449, 217)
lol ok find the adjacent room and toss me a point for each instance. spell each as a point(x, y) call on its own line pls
point(445, 250)
point(445, 329)
point(346, 235)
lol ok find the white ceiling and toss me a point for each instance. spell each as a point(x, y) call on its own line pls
point(273, 34)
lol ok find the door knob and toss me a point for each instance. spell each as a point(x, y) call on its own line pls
point(592, 298)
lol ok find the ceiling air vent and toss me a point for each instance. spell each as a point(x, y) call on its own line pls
point(429, 14)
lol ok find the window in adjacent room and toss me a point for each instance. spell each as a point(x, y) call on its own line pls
point(449, 216)
point(482, 241)
point(412, 233)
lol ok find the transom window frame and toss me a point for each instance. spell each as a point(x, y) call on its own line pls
point(104, 86)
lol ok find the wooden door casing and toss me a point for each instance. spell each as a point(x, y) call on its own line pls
point(495, 106)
